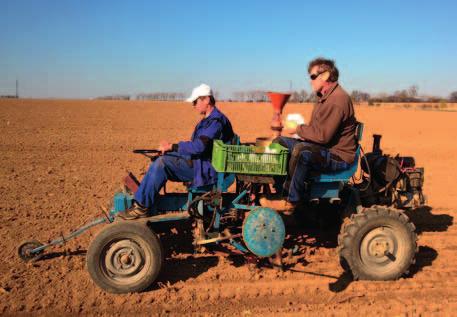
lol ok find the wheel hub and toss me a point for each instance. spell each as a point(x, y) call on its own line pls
point(263, 232)
point(379, 246)
point(26, 248)
point(124, 258)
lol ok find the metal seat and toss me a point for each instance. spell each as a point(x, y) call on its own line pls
point(340, 176)
point(346, 174)
point(224, 180)
point(329, 185)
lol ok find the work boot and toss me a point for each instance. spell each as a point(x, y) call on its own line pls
point(280, 204)
point(134, 212)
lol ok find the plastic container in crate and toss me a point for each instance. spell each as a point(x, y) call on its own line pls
point(243, 159)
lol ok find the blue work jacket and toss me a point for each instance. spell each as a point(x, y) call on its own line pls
point(214, 127)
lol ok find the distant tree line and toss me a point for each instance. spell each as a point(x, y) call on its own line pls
point(166, 96)
point(114, 97)
point(261, 96)
point(163, 96)
point(410, 94)
point(405, 95)
point(453, 96)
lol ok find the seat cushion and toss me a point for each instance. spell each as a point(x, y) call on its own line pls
point(340, 176)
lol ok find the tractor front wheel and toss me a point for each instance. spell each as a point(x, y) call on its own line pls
point(377, 244)
point(124, 257)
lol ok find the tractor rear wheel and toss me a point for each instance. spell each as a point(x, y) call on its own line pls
point(124, 257)
point(377, 244)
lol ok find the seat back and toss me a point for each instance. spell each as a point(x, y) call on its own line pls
point(359, 132)
point(235, 140)
point(329, 185)
point(225, 180)
point(229, 179)
point(346, 174)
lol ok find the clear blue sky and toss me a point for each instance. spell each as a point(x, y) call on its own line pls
point(85, 48)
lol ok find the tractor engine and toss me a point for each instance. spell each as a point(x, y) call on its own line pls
point(390, 181)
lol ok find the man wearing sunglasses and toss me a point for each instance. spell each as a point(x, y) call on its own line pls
point(326, 144)
point(186, 161)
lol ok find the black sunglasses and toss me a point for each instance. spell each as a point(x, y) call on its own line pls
point(314, 76)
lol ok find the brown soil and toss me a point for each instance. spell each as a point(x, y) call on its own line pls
point(61, 160)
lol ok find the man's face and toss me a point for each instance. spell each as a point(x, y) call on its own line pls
point(318, 82)
point(202, 104)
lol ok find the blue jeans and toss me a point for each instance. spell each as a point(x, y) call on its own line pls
point(170, 166)
point(308, 157)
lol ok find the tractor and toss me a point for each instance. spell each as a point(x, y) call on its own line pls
point(377, 241)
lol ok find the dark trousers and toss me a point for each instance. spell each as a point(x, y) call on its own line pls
point(170, 166)
point(304, 158)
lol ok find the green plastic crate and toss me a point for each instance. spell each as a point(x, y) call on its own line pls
point(243, 159)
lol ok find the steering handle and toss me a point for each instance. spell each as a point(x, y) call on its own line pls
point(146, 151)
point(149, 153)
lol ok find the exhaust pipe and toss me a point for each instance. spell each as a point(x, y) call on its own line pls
point(377, 144)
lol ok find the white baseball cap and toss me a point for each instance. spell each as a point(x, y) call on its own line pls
point(200, 91)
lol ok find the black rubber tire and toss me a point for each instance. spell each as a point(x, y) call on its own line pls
point(358, 235)
point(24, 251)
point(139, 238)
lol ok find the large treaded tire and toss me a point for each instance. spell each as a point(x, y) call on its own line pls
point(124, 257)
point(379, 243)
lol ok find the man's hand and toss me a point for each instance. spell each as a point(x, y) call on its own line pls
point(164, 146)
point(289, 131)
point(290, 127)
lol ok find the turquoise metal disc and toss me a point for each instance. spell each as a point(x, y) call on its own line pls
point(263, 232)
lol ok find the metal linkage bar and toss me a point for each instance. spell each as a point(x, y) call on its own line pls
point(63, 239)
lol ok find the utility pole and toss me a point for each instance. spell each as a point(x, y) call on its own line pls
point(17, 88)
point(290, 85)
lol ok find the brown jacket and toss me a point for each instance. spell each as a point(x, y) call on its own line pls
point(333, 124)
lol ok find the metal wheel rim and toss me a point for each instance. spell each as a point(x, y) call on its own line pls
point(380, 249)
point(261, 233)
point(25, 249)
point(124, 261)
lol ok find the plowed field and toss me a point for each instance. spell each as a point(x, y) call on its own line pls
point(61, 160)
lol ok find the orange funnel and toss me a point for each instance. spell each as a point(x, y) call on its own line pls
point(278, 100)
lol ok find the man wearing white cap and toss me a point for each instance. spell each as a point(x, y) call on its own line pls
point(186, 161)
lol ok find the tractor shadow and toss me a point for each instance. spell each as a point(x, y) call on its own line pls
point(313, 228)
point(426, 221)
point(424, 257)
point(180, 270)
point(53, 255)
point(180, 261)
point(321, 230)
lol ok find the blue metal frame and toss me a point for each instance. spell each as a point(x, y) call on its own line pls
point(174, 206)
